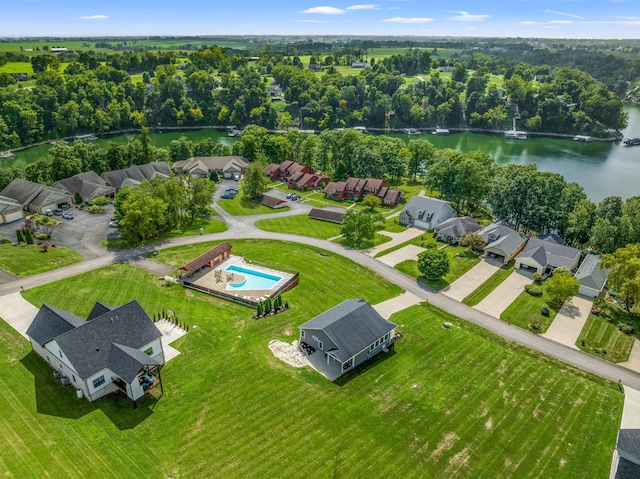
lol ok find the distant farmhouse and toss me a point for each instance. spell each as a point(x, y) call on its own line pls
point(115, 349)
point(345, 336)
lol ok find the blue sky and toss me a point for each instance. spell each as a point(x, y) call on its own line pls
point(496, 18)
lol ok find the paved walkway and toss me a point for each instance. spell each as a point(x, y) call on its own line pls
point(631, 411)
point(468, 282)
point(393, 305)
point(505, 294)
point(170, 332)
point(634, 358)
point(569, 321)
point(17, 311)
point(396, 239)
point(403, 254)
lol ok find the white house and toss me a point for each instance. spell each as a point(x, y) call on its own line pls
point(115, 349)
point(425, 212)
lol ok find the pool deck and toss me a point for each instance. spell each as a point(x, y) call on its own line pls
point(206, 278)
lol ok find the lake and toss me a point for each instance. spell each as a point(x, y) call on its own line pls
point(603, 169)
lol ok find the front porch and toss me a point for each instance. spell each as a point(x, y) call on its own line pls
point(148, 379)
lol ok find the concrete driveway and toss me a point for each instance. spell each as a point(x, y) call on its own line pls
point(393, 305)
point(403, 254)
point(634, 358)
point(17, 311)
point(501, 297)
point(468, 282)
point(396, 239)
point(569, 321)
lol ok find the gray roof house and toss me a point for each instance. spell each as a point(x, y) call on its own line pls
point(10, 210)
point(138, 173)
point(89, 185)
point(452, 229)
point(626, 457)
point(503, 243)
point(345, 336)
point(425, 212)
point(226, 166)
point(592, 276)
point(544, 256)
point(34, 197)
point(115, 349)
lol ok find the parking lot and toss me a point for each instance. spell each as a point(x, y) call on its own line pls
point(83, 233)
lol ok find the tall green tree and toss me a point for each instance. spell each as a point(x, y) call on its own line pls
point(433, 263)
point(624, 276)
point(562, 285)
point(255, 181)
point(359, 228)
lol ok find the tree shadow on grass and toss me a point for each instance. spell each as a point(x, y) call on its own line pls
point(364, 367)
point(54, 399)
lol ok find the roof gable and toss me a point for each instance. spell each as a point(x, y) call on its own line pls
point(591, 274)
point(424, 207)
point(127, 362)
point(549, 253)
point(51, 322)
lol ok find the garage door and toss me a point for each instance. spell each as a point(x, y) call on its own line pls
point(15, 216)
point(587, 292)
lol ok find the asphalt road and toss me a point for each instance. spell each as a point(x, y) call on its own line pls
point(242, 228)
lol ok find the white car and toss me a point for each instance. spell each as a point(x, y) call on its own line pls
point(67, 215)
point(113, 224)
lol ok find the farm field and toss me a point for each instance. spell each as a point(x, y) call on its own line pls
point(452, 403)
point(28, 260)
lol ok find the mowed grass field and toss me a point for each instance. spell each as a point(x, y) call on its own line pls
point(300, 225)
point(28, 260)
point(450, 403)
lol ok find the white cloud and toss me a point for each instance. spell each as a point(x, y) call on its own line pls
point(408, 20)
point(368, 6)
point(562, 13)
point(94, 17)
point(561, 22)
point(324, 10)
point(527, 22)
point(467, 17)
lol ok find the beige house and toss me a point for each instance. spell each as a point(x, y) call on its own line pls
point(503, 243)
point(544, 256)
point(10, 210)
point(228, 167)
point(34, 197)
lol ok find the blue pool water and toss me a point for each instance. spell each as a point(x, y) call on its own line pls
point(253, 279)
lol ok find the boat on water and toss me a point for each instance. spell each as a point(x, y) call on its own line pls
point(87, 137)
point(361, 129)
point(515, 135)
point(440, 131)
point(582, 138)
point(411, 131)
point(631, 141)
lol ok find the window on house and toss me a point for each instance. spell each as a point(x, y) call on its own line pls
point(148, 351)
point(60, 351)
point(98, 381)
point(320, 344)
point(302, 333)
point(74, 378)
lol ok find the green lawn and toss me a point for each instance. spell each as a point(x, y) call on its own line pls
point(455, 403)
point(300, 225)
point(489, 285)
point(602, 338)
point(207, 225)
point(240, 206)
point(28, 260)
point(525, 310)
point(460, 260)
point(423, 241)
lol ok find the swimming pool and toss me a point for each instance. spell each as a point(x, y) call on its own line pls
point(253, 279)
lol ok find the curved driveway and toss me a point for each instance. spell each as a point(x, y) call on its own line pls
point(242, 228)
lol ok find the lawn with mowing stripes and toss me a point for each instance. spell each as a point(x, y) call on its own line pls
point(460, 260)
point(526, 310)
point(241, 206)
point(602, 338)
point(28, 260)
point(489, 285)
point(300, 225)
point(450, 403)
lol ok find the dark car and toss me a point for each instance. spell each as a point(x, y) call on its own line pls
point(228, 196)
point(57, 212)
point(231, 190)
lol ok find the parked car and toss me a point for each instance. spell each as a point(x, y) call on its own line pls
point(294, 197)
point(113, 224)
point(289, 195)
point(57, 212)
point(229, 190)
point(228, 195)
point(67, 215)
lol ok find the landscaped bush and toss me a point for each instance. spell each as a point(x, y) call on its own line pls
point(20, 236)
point(625, 328)
point(537, 277)
point(544, 311)
point(42, 236)
point(533, 289)
point(5, 241)
point(28, 237)
point(100, 201)
point(96, 210)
